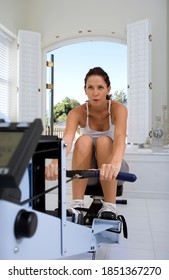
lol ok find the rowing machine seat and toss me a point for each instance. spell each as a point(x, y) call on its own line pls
point(96, 189)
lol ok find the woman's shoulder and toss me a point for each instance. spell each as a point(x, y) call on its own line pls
point(117, 105)
point(118, 108)
point(78, 111)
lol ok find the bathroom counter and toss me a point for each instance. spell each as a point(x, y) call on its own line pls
point(152, 171)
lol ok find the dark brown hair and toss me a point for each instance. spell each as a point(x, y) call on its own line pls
point(99, 72)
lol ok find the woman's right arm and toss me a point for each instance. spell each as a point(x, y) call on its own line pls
point(51, 170)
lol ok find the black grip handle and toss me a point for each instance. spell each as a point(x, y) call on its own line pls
point(81, 174)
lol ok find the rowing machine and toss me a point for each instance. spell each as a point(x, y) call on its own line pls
point(28, 229)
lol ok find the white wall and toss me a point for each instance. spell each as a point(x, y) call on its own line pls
point(12, 14)
point(65, 18)
point(168, 49)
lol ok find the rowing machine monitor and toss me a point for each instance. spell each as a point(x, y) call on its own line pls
point(18, 141)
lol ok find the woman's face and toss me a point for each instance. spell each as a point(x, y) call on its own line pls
point(96, 89)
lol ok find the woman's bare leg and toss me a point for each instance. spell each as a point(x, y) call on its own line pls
point(104, 148)
point(82, 155)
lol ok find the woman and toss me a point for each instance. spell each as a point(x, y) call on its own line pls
point(102, 125)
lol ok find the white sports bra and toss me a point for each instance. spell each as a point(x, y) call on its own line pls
point(94, 133)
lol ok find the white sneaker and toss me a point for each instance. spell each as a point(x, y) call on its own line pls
point(108, 211)
point(77, 204)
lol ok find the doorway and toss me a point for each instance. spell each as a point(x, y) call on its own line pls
point(72, 62)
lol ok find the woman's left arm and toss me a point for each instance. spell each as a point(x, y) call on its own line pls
point(120, 122)
point(119, 143)
point(110, 170)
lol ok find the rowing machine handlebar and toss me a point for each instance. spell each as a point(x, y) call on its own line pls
point(81, 174)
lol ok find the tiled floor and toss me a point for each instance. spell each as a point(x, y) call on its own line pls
point(148, 230)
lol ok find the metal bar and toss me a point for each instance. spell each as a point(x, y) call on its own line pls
point(52, 93)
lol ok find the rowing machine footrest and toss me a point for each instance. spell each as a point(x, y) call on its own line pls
point(75, 217)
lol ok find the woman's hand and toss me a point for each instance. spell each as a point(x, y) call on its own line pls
point(51, 170)
point(109, 171)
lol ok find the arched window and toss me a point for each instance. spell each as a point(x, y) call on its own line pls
point(72, 62)
point(139, 81)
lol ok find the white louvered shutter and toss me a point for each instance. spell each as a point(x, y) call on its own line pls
point(139, 81)
point(29, 61)
point(5, 73)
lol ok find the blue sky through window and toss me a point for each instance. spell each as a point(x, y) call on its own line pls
point(72, 62)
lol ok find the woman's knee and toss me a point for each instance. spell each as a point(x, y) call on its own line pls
point(103, 148)
point(104, 142)
point(84, 142)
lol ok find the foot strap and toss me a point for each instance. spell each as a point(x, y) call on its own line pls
point(122, 219)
